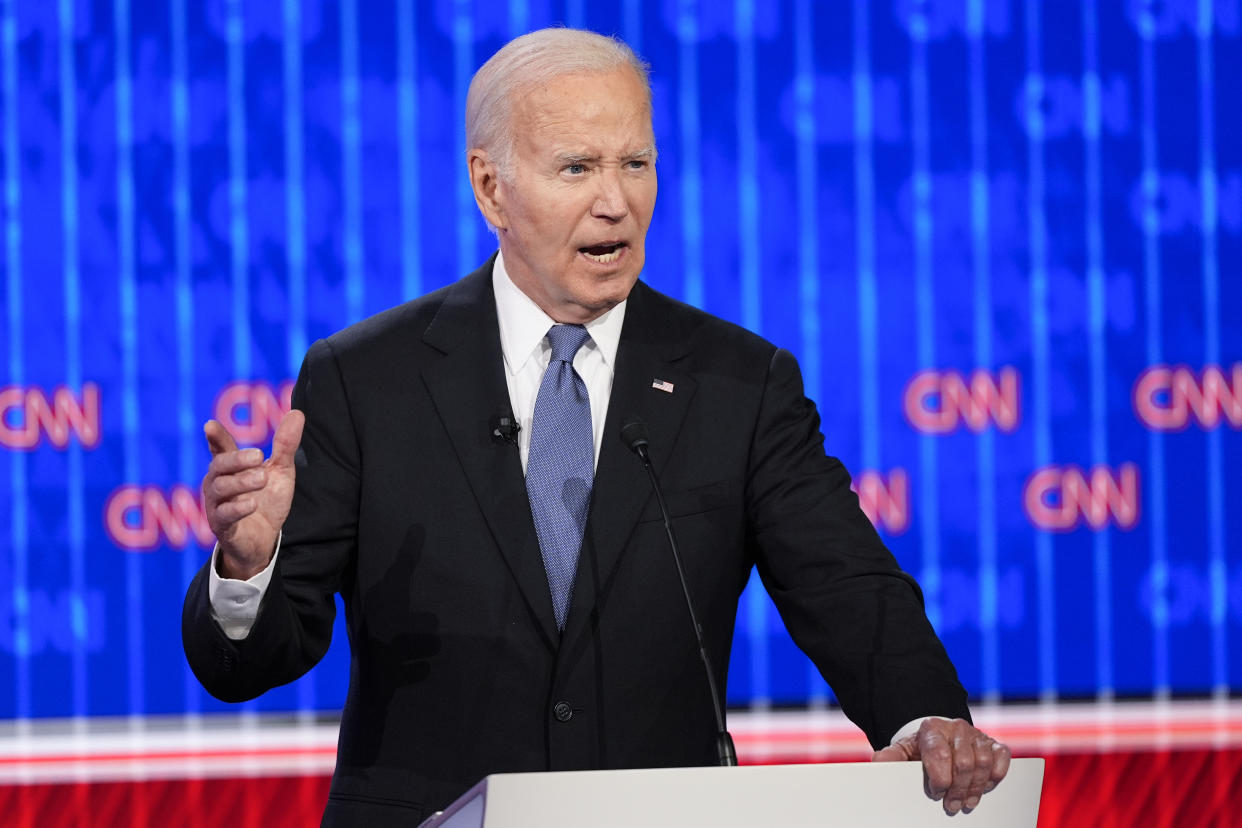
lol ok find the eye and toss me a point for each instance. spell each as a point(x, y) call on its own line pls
point(575, 169)
point(636, 164)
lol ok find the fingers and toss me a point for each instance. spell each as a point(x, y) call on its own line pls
point(233, 462)
point(288, 436)
point(937, 755)
point(231, 488)
point(960, 763)
point(980, 747)
point(239, 484)
point(223, 487)
point(218, 438)
point(963, 772)
point(232, 478)
point(225, 458)
point(1000, 764)
point(231, 511)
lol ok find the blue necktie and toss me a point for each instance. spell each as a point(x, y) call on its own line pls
point(561, 465)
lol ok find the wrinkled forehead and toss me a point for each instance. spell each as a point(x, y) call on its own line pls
point(621, 74)
point(612, 108)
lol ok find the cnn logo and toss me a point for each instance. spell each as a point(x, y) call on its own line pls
point(142, 518)
point(939, 402)
point(1168, 398)
point(29, 416)
point(1062, 498)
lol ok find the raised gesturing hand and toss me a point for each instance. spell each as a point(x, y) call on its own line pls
point(247, 498)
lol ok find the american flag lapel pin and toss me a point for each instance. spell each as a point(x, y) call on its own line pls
point(662, 385)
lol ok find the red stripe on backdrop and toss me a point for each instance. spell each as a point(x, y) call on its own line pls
point(157, 755)
point(248, 802)
point(1172, 789)
point(1176, 789)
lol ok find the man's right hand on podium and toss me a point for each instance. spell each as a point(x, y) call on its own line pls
point(960, 762)
point(247, 498)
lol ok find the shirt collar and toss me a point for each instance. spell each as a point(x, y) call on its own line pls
point(524, 325)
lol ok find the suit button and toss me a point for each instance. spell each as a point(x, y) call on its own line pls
point(562, 711)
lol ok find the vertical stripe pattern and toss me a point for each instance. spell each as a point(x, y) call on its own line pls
point(925, 292)
point(748, 168)
point(192, 192)
point(807, 172)
point(691, 153)
point(129, 326)
point(239, 231)
point(981, 249)
point(1152, 301)
point(75, 518)
point(864, 239)
point(407, 149)
point(18, 476)
point(190, 446)
point(351, 148)
point(1037, 240)
point(1218, 576)
point(463, 70)
point(1096, 285)
point(295, 184)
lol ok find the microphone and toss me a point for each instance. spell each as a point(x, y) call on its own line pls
point(636, 437)
point(505, 429)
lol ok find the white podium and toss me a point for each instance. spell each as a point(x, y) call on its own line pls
point(855, 794)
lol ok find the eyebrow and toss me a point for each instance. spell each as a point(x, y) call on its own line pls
point(573, 158)
point(564, 158)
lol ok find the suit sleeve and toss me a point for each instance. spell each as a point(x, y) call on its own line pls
point(842, 596)
point(294, 625)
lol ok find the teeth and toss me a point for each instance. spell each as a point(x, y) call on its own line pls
point(604, 258)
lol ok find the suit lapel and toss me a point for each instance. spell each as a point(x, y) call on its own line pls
point(650, 348)
point(469, 390)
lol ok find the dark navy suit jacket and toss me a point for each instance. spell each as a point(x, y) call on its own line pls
point(409, 507)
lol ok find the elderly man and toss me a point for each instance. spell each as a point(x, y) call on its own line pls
point(453, 468)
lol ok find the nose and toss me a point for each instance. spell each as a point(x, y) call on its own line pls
point(610, 201)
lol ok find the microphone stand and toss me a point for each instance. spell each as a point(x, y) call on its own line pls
point(635, 435)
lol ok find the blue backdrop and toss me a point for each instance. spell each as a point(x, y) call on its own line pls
point(1004, 239)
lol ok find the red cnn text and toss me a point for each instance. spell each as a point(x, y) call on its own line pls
point(142, 518)
point(28, 417)
point(1170, 397)
point(938, 402)
point(1062, 498)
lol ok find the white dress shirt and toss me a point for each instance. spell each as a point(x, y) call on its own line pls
point(524, 343)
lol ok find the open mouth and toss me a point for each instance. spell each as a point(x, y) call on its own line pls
point(603, 253)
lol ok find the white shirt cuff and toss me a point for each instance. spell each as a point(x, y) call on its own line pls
point(235, 603)
point(912, 728)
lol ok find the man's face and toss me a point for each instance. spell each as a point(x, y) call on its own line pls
point(573, 218)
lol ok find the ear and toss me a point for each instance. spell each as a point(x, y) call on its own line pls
point(485, 181)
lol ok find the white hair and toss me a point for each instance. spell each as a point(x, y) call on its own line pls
point(527, 62)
